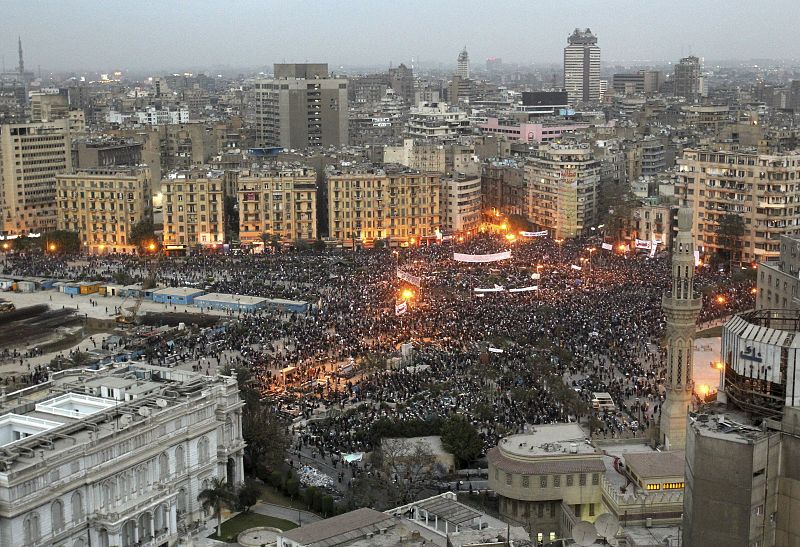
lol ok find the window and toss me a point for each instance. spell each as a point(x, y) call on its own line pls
point(543, 481)
point(673, 485)
point(77, 507)
point(508, 478)
point(57, 515)
point(654, 487)
point(163, 467)
point(557, 481)
point(570, 480)
point(540, 510)
point(582, 479)
point(180, 460)
point(31, 528)
point(595, 479)
point(525, 481)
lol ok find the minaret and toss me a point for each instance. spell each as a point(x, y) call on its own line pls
point(21, 63)
point(681, 307)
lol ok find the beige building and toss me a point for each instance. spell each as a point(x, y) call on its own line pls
point(194, 210)
point(461, 205)
point(778, 281)
point(103, 205)
point(547, 476)
point(761, 188)
point(277, 202)
point(562, 183)
point(31, 155)
point(399, 205)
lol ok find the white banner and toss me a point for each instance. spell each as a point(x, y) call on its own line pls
point(536, 275)
point(459, 257)
point(574, 267)
point(401, 308)
point(696, 258)
point(644, 244)
point(405, 276)
point(653, 251)
point(607, 246)
point(495, 350)
point(496, 288)
point(534, 234)
point(525, 289)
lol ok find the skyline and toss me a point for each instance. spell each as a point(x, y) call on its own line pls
point(72, 36)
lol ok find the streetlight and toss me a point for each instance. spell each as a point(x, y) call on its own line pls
point(407, 294)
point(152, 246)
point(721, 300)
point(52, 247)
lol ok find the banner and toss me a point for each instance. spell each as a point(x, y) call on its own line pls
point(607, 246)
point(533, 234)
point(459, 257)
point(409, 278)
point(644, 244)
point(496, 288)
point(536, 275)
point(496, 350)
point(697, 261)
point(574, 267)
point(653, 251)
point(525, 289)
point(401, 308)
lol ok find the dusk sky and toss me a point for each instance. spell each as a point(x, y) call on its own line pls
point(169, 34)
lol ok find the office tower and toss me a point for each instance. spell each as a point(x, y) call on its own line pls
point(681, 307)
point(31, 155)
point(194, 210)
point(278, 202)
point(494, 65)
point(562, 182)
point(103, 205)
point(401, 80)
point(462, 68)
point(760, 188)
point(301, 106)
point(688, 82)
point(582, 67)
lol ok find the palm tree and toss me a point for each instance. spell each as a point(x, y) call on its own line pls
point(214, 497)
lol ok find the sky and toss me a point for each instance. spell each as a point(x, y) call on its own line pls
point(183, 34)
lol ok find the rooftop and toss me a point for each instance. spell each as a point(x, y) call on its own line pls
point(548, 440)
point(654, 465)
point(340, 529)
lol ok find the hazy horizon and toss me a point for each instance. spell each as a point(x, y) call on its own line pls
point(177, 35)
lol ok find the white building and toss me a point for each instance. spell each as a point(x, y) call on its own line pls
point(582, 67)
point(461, 204)
point(437, 121)
point(116, 456)
point(462, 68)
point(151, 116)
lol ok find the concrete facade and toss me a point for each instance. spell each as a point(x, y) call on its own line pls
point(194, 209)
point(778, 281)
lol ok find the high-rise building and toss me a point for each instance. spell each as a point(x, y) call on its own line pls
point(301, 107)
point(462, 67)
point(194, 210)
point(401, 80)
point(582, 67)
point(562, 182)
point(681, 307)
point(103, 205)
point(494, 65)
point(439, 121)
point(688, 82)
point(759, 188)
point(398, 205)
point(278, 202)
point(31, 155)
point(461, 205)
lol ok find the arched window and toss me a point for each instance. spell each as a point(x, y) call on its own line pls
point(180, 460)
point(77, 507)
point(107, 494)
point(228, 430)
point(31, 528)
point(202, 450)
point(79, 543)
point(163, 467)
point(57, 515)
point(182, 501)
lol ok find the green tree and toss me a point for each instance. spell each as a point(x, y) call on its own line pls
point(308, 496)
point(247, 495)
point(616, 205)
point(231, 219)
point(292, 488)
point(215, 497)
point(729, 236)
point(61, 242)
point(142, 235)
point(460, 438)
point(263, 430)
point(326, 505)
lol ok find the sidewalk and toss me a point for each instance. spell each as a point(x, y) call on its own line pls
point(298, 516)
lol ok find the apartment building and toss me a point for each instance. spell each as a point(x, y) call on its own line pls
point(401, 206)
point(278, 202)
point(103, 205)
point(115, 456)
point(562, 182)
point(763, 189)
point(437, 121)
point(503, 187)
point(778, 281)
point(194, 209)
point(31, 155)
point(461, 205)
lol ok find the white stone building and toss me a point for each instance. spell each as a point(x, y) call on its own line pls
point(461, 204)
point(116, 456)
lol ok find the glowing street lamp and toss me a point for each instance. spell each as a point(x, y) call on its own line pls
point(151, 247)
point(511, 237)
point(52, 247)
point(622, 247)
point(721, 299)
point(753, 290)
point(407, 294)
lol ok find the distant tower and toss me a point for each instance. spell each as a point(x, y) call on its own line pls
point(681, 307)
point(582, 67)
point(21, 62)
point(462, 69)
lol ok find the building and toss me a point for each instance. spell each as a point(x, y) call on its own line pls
point(462, 67)
point(542, 132)
point(654, 222)
point(105, 152)
point(757, 187)
point(400, 206)
point(48, 105)
point(778, 281)
point(301, 106)
point(708, 118)
point(401, 80)
point(150, 116)
point(536, 104)
point(194, 210)
point(115, 456)
point(437, 121)
point(461, 205)
point(582, 67)
point(279, 203)
point(681, 307)
point(688, 82)
point(31, 155)
point(103, 205)
point(503, 187)
point(546, 476)
point(634, 83)
point(562, 182)
point(450, 158)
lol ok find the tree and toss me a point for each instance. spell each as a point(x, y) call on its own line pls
point(61, 242)
point(215, 497)
point(729, 236)
point(318, 245)
point(142, 235)
point(231, 218)
point(247, 495)
point(409, 463)
point(292, 488)
point(263, 430)
point(616, 205)
point(460, 438)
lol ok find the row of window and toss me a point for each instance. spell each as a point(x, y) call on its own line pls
point(544, 480)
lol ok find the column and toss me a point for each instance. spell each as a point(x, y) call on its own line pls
point(173, 517)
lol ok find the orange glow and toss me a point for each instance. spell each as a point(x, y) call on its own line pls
point(52, 247)
point(559, 241)
point(699, 261)
point(102, 247)
point(753, 290)
point(152, 247)
point(511, 237)
point(719, 365)
point(592, 249)
point(413, 240)
point(721, 299)
point(407, 294)
point(504, 226)
point(703, 390)
point(5, 245)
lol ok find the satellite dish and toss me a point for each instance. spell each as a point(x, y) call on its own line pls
point(606, 525)
point(584, 533)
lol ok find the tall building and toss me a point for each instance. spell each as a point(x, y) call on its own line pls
point(461, 205)
point(279, 202)
point(439, 121)
point(778, 281)
point(681, 307)
point(562, 182)
point(582, 67)
point(103, 205)
point(31, 155)
point(398, 205)
point(301, 106)
point(401, 80)
point(688, 82)
point(760, 188)
point(462, 67)
point(116, 456)
point(194, 210)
